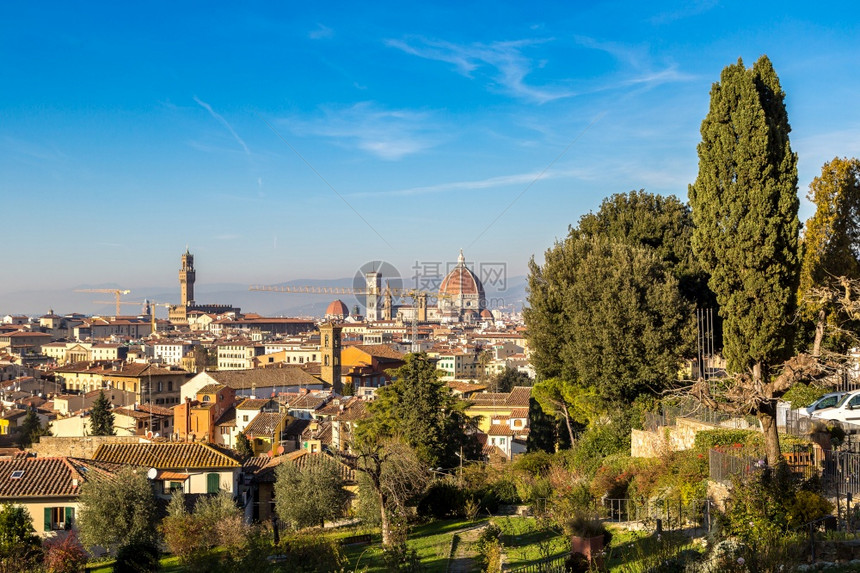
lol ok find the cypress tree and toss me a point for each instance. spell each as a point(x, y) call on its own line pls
point(745, 206)
point(101, 418)
point(831, 244)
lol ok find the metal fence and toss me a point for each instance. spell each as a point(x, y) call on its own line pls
point(691, 409)
point(841, 473)
point(672, 514)
point(723, 467)
point(839, 470)
point(550, 565)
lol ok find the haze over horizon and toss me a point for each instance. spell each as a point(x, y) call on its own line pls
point(287, 141)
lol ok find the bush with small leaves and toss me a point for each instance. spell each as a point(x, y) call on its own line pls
point(65, 554)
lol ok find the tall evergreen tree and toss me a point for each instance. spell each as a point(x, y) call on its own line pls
point(607, 315)
point(418, 406)
point(663, 224)
point(101, 418)
point(746, 234)
point(831, 242)
point(31, 429)
point(542, 429)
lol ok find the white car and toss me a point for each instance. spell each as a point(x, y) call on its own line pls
point(827, 401)
point(846, 410)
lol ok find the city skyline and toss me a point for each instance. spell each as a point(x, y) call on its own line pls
point(283, 142)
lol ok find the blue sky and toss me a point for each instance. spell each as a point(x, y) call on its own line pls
point(284, 140)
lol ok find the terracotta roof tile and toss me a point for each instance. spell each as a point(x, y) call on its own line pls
point(355, 410)
point(380, 351)
point(264, 378)
point(519, 413)
point(210, 389)
point(166, 455)
point(519, 397)
point(265, 424)
point(45, 477)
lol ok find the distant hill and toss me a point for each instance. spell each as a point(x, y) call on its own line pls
point(63, 301)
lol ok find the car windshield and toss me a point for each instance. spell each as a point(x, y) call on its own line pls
point(827, 402)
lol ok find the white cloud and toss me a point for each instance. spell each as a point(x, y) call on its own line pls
point(488, 183)
point(638, 67)
point(223, 122)
point(506, 59)
point(510, 67)
point(387, 134)
point(689, 9)
point(321, 33)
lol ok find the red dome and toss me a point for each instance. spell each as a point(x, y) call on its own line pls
point(461, 281)
point(337, 308)
point(486, 314)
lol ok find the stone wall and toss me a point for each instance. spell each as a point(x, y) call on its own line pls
point(718, 493)
point(78, 447)
point(648, 444)
point(675, 438)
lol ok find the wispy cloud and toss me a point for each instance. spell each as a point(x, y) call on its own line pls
point(478, 184)
point(223, 122)
point(689, 9)
point(506, 60)
point(388, 134)
point(321, 32)
point(637, 64)
point(39, 151)
point(509, 66)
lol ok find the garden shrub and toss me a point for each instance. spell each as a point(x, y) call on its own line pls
point(770, 502)
point(612, 479)
point(309, 551)
point(535, 464)
point(65, 555)
point(505, 490)
point(802, 395)
point(441, 499)
point(708, 439)
point(137, 558)
point(490, 548)
point(599, 442)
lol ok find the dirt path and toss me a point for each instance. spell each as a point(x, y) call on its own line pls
point(465, 557)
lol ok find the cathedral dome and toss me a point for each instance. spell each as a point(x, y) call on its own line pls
point(486, 314)
point(336, 309)
point(461, 281)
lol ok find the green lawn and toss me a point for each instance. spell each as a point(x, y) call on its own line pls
point(431, 541)
point(169, 564)
point(525, 541)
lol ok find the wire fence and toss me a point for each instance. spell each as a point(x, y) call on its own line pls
point(691, 409)
point(663, 514)
point(550, 565)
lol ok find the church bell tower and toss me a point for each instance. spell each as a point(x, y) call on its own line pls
point(330, 345)
point(186, 279)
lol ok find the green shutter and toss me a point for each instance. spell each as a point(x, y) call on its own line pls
point(48, 519)
point(213, 483)
point(70, 517)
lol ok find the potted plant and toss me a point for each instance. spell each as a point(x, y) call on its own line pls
point(588, 537)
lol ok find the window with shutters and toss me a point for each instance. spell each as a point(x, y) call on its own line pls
point(213, 483)
point(58, 518)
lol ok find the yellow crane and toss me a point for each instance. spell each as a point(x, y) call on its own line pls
point(116, 292)
point(146, 304)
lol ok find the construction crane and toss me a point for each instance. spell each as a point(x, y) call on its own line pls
point(116, 292)
point(419, 297)
point(147, 307)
